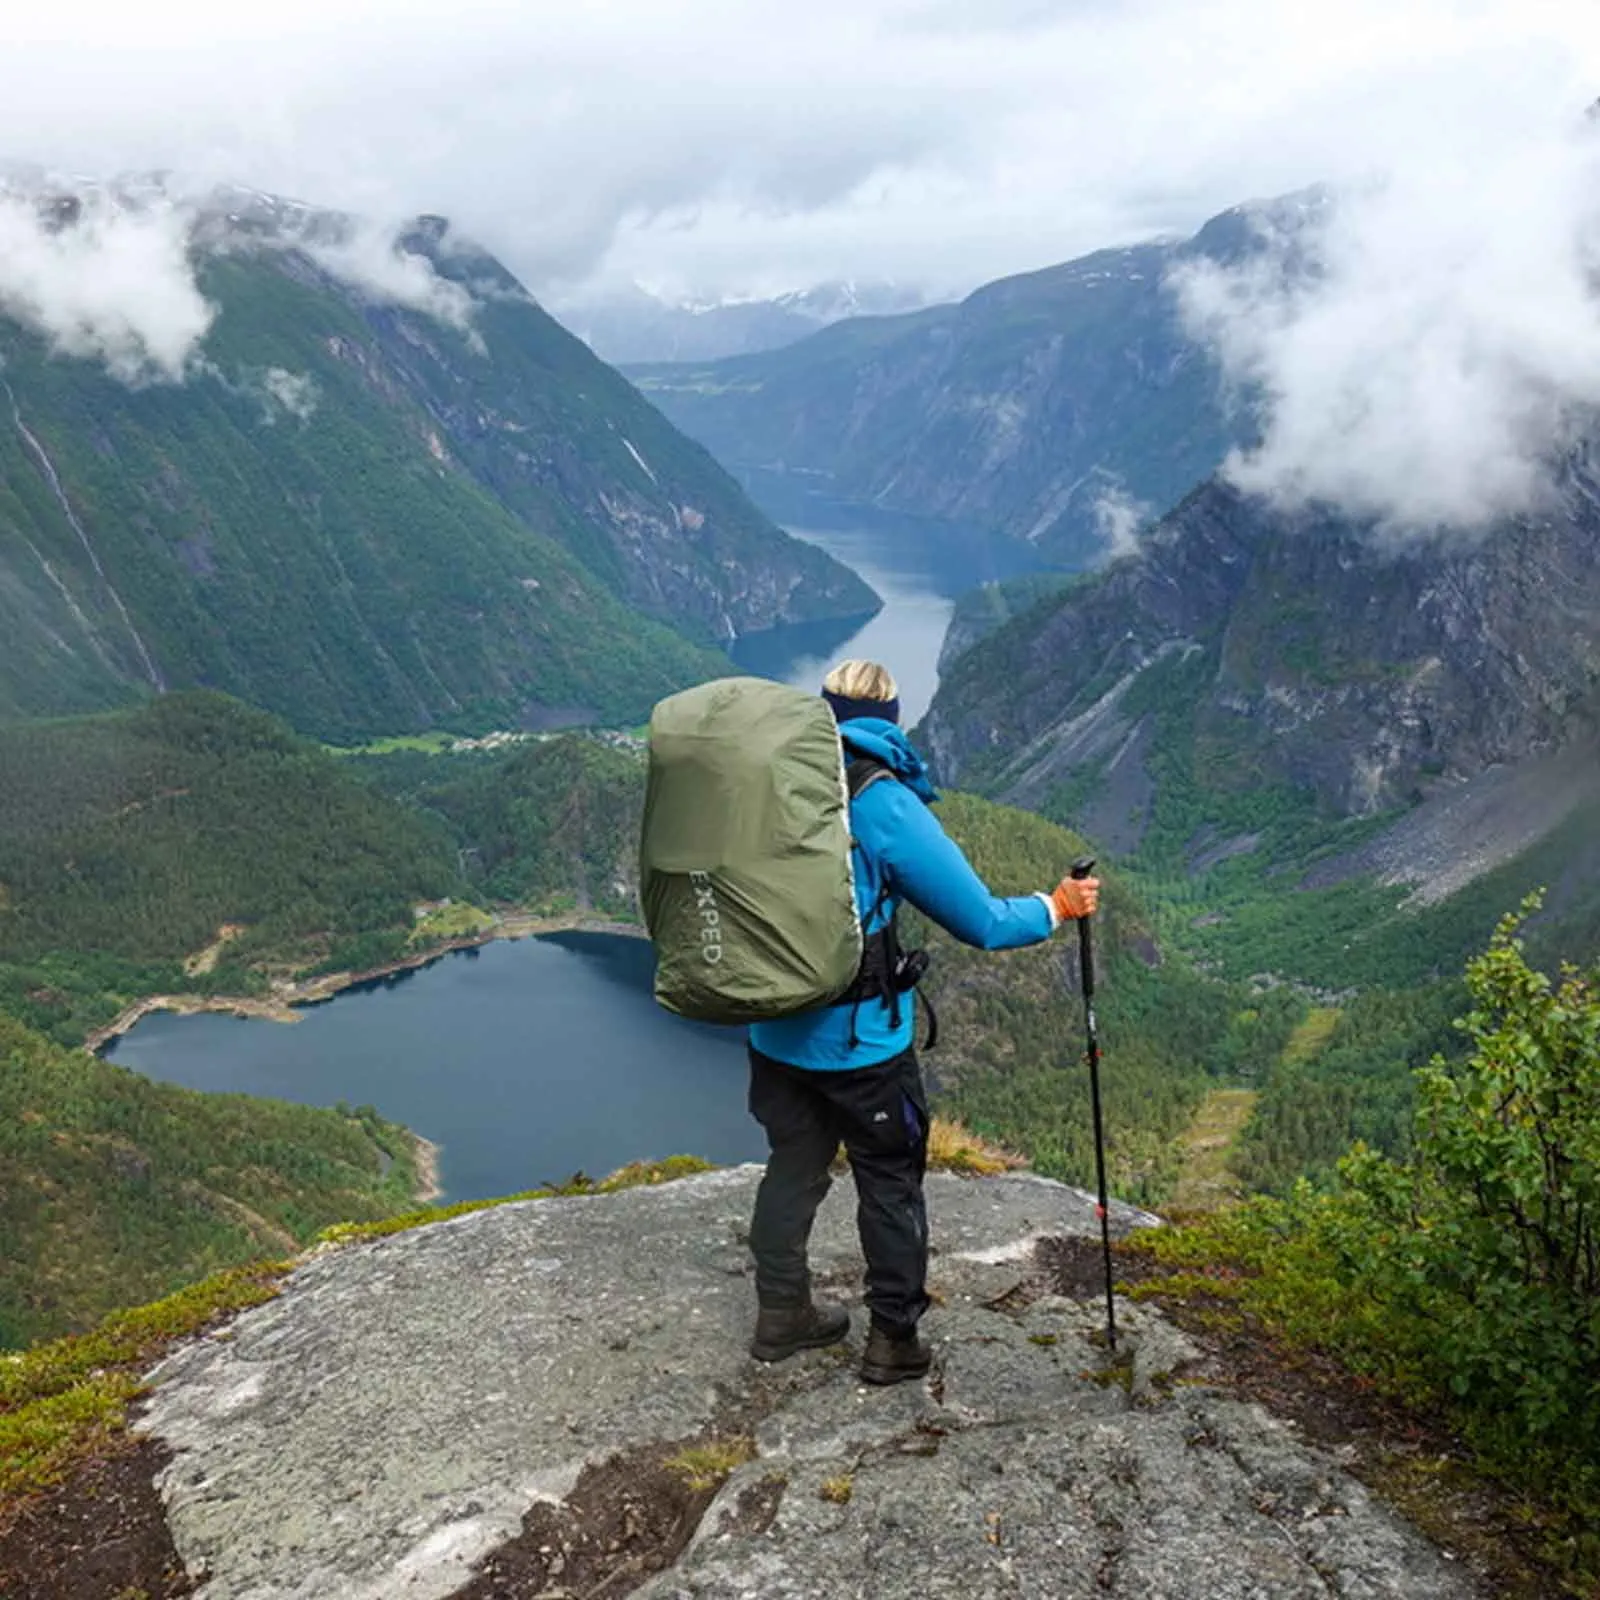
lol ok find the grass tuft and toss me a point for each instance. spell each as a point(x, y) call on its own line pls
point(953, 1147)
point(706, 1466)
point(61, 1402)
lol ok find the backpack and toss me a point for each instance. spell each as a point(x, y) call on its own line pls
point(746, 878)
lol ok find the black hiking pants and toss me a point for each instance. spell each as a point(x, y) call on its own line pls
point(880, 1115)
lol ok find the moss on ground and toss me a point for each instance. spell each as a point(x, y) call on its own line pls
point(60, 1401)
point(66, 1401)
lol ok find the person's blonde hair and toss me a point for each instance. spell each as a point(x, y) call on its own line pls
point(861, 680)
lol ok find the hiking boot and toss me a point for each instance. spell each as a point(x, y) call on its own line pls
point(892, 1359)
point(784, 1331)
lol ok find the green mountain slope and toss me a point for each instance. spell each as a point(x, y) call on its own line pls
point(575, 450)
point(369, 520)
point(1049, 406)
point(1246, 663)
point(550, 827)
point(127, 841)
point(1010, 1061)
point(115, 1189)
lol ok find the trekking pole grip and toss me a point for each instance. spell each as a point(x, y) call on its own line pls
point(1081, 868)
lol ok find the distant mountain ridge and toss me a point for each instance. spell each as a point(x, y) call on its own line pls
point(1056, 406)
point(367, 517)
point(634, 325)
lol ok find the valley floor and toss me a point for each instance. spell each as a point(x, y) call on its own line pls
point(1206, 1179)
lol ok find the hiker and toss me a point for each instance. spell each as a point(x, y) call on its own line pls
point(847, 1072)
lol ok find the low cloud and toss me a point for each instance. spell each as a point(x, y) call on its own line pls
point(105, 282)
point(107, 273)
point(293, 393)
point(1119, 519)
point(275, 391)
point(370, 258)
point(709, 148)
point(1424, 352)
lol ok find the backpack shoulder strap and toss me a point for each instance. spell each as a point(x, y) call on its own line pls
point(861, 772)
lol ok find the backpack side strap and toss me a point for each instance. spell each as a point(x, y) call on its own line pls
point(887, 971)
point(861, 772)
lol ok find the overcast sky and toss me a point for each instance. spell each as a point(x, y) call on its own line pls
point(715, 146)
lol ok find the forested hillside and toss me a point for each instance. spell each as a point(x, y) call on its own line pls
point(551, 826)
point(368, 518)
point(1010, 1058)
point(114, 1189)
point(127, 841)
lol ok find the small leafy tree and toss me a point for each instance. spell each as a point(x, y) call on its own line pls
point(1505, 1198)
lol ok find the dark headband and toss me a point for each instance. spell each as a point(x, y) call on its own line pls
point(844, 708)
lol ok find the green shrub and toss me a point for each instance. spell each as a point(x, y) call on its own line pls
point(1468, 1274)
point(1505, 1200)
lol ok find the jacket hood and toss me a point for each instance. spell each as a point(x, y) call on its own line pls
point(884, 741)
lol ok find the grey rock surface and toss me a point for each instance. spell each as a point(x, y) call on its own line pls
point(387, 1421)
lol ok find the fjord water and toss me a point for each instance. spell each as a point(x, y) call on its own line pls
point(917, 566)
point(526, 1061)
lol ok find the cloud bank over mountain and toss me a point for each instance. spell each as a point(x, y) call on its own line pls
point(707, 146)
point(1429, 347)
point(113, 284)
point(112, 276)
point(1446, 340)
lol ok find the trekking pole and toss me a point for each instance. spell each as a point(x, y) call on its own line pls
point(1081, 869)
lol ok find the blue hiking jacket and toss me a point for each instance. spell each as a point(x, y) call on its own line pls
point(899, 846)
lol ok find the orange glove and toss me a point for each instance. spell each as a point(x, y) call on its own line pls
point(1075, 897)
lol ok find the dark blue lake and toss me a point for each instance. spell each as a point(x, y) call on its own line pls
point(526, 1061)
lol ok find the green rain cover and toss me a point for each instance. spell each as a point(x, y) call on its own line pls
point(744, 857)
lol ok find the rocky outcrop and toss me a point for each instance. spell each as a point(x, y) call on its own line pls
point(387, 1423)
point(1368, 670)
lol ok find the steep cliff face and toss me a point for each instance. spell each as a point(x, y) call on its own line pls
point(1062, 406)
point(1302, 651)
point(574, 449)
point(371, 518)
